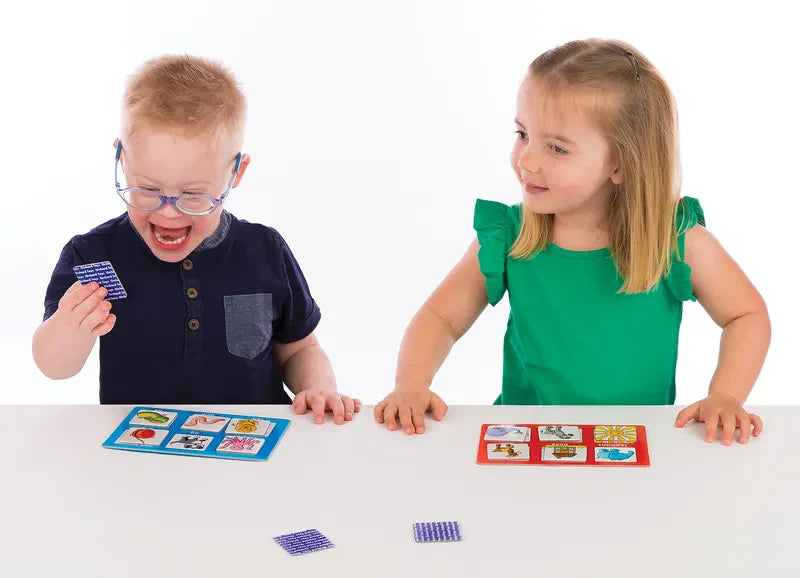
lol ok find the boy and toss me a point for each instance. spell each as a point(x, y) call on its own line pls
point(217, 309)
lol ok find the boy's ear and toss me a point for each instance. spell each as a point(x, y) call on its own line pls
point(121, 159)
point(242, 168)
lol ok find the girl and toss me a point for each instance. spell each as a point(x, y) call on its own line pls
point(597, 259)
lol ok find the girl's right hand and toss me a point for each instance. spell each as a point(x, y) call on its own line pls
point(410, 406)
point(83, 309)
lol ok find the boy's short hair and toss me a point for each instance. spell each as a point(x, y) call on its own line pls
point(194, 95)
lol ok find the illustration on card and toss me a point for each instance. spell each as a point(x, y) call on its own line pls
point(615, 433)
point(564, 453)
point(505, 452)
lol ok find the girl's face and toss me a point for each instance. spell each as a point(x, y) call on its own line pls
point(562, 160)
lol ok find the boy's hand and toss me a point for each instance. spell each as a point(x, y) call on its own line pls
point(83, 309)
point(319, 401)
point(725, 410)
point(411, 407)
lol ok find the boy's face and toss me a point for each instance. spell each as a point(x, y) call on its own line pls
point(172, 164)
point(562, 161)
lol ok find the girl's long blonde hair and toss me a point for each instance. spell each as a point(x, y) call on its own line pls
point(625, 95)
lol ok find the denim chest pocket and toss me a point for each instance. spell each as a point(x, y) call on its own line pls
point(248, 323)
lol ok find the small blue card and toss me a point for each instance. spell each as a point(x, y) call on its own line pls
point(437, 532)
point(303, 542)
point(201, 434)
point(104, 274)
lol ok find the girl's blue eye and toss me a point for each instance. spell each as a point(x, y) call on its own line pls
point(557, 149)
point(521, 134)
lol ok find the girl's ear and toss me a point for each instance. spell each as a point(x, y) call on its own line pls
point(616, 176)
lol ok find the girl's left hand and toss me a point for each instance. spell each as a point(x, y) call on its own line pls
point(725, 410)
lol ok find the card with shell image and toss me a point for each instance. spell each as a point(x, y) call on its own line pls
point(250, 426)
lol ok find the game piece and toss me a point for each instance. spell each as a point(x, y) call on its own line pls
point(558, 444)
point(437, 532)
point(303, 542)
point(103, 274)
point(171, 431)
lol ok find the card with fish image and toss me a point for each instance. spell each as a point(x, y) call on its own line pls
point(563, 444)
point(203, 434)
point(102, 273)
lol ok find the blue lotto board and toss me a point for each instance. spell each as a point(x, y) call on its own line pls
point(202, 434)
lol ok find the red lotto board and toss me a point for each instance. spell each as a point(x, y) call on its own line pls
point(558, 444)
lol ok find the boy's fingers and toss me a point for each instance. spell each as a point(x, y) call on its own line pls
point(418, 417)
point(379, 411)
point(96, 317)
point(76, 294)
point(299, 403)
point(390, 415)
point(438, 407)
point(105, 326)
point(728, 429)
point(317, 403)
point(357, 403)
point(349, 407)
point(758, 426)
point(711, 427)
point(405, 419)
point(337, 407)
point(744, 428)
point(88, 305)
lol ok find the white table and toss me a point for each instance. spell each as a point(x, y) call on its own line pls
point(72, 508)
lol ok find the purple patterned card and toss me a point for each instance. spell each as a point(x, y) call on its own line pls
point(437, 532)
point(303, 542)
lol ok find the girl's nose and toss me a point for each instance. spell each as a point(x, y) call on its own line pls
point(529, 162)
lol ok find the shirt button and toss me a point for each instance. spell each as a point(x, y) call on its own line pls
point(194, 324)
point(188, 265)
point(191, 292)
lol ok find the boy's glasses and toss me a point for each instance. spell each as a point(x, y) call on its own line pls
point(194, 204)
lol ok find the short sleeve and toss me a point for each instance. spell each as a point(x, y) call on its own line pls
point(62, 278)
point(689, 213)
point(491, 224)
point(299, 313)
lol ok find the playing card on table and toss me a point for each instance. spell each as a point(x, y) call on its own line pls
point(103, 274)
point(303, 542)
point(437, 532)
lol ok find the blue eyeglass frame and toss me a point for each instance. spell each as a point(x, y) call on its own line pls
point(167, 200)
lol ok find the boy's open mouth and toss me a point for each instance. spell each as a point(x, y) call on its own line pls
point(170, 239)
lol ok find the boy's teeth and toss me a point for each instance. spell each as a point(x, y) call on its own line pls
point(169, 240)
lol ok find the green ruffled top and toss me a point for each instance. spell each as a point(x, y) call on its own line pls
point(571, 338)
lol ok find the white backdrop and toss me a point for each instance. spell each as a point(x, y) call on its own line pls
point(373, 126)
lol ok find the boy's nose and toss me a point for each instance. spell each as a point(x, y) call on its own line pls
point(169, 210)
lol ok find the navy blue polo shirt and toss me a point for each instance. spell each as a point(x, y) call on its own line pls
point(200, 330)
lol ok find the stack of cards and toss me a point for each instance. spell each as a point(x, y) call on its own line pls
point(553, 444)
